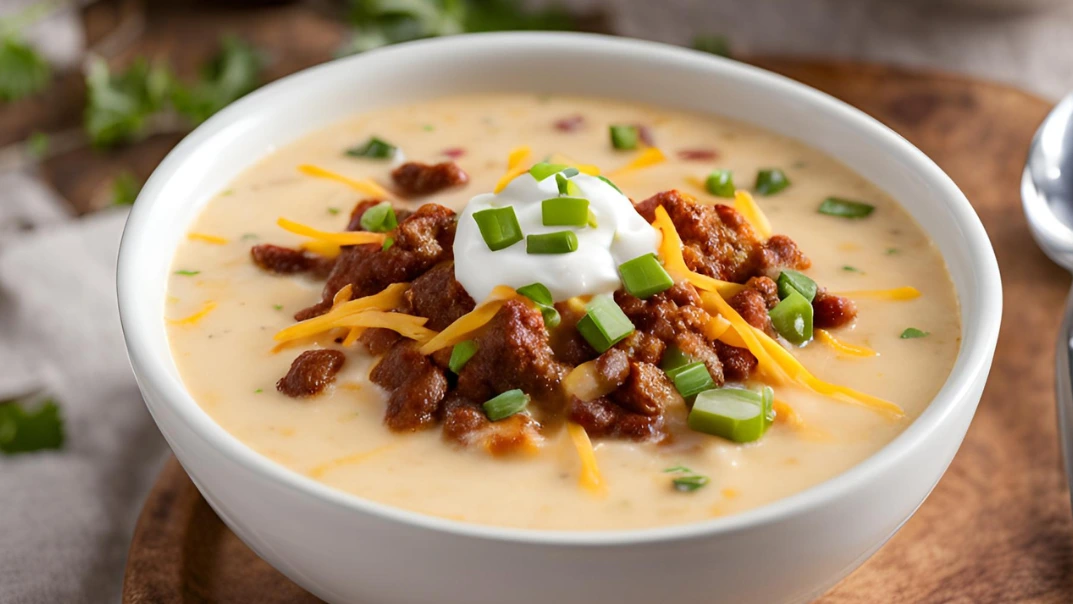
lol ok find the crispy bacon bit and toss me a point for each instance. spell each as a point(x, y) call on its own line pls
point(571, 123)
point(738, 363)
point(644, 133)
point(454, 152)
point(832, 311)
point(603, 418)
point(416, 179)
point(767, 288)
point(311, 372)
point(698, 154)
point(417, 387)
point(288, 261)
point(751, 306)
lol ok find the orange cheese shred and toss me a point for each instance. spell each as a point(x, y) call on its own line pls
point(365, 185)
point(409, 326)
point(206, 308)
point(205, 237)
point(356, 458)
point(324, 248)
point(651, 156)
point(388, 299)
point(843, 348)
point(469, 322)
point(343, 238)
point(590, 169)
point(589, 478)
point(747, 207)
point(670, 250)
point(898, 293)
point(515, 166)
point(715, 304)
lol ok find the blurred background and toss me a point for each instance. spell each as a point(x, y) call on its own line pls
point(93, 94)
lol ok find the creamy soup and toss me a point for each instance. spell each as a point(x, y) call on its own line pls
point(222, 313)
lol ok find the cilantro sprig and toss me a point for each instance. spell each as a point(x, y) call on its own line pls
point(26, 427)
point(23, 71)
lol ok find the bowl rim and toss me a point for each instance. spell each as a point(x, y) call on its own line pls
point(971, 365)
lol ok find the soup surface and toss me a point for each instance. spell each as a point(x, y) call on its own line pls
point(222, 312)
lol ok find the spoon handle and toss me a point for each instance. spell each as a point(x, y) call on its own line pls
point(1064, 390)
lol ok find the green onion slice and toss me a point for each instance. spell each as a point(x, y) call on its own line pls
point(542, 170)
point(566, 186)
point(613, 186)
point(505, 405)
point(767, 396)
point(771, 181)
point(792, 318)
point(720, 183)
point(673, 358)
point(374, 148)
point(624, 137)
point(541, 296)
point(791, 281)
point(499, 227)
point(735, 414)
point(565, 211)
point(604, 323)
point(912, 333)
point(388, 242)
point(379, 218)
point(845, 208)
point(644, 276)
point(559, 242)
point(461, 354)
point(688, 484)
point(691, 379)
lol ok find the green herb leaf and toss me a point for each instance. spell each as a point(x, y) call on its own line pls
point(333, 211)
point(125, 189)
point(234, 72)
point(119, 105)
point(678, 470)
point(893, 251)
point(688, 484)
point(277, 306)
point(912, 333)
point(374, 148)
point(24, 429)
point(851, 269)
point(23, 71)
point(187, 273)
point(258, 391)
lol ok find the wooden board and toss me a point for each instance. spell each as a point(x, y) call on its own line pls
point(998, 526)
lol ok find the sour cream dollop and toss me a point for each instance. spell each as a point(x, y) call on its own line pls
point(621, 234)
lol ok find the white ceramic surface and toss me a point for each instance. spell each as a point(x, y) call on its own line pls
point(346, 549)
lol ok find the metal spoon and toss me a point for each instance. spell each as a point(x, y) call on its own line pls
point(1047, 194)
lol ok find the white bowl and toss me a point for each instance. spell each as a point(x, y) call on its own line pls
point(347, 549)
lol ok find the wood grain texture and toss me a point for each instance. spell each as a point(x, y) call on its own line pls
point(997, 528)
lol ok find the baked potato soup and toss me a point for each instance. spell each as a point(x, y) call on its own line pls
point(559, 313)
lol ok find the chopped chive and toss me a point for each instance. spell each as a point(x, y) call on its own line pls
point(791, 281)
point(893, 251)
point(505, 405)
point(258, 391)
point(624, 137)
point(792, 318)
point(673, 358)
point(771, 181)
point(461, 354)
point(851, 269)
point(428, 127)
point(735, 414)
point(720, 183)
point(592, 220)
point(541, 296)
point(187, 273)
point(379, 218)
point(613, 185)
point(566, 186)
point(499, 227)
point(277, 306)
point(677, 470)
point(692, 379)
point(333, 211)
point(388, 242)
point(374, 148)
point(542, 170)
point(604, 323)
point(565, 211)
point(912, 332)
point(688, 484)
point(559, 242)
point(644, 276)
point(845, 208)
point(248, 236)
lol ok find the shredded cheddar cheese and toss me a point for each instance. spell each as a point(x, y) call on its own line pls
point(716, 327)
point(205, 237)
point(323, 248)
point(785, 414)
point(403, 324)
point(590, 478)
point(327, 237)
point(469, 322)
point(388, 299)
point(366, 185)
point(898, 293)
point(584, 383)
point(747, 207)
point(843, 348)
point(715, 304)
point(515, 166)
point(670, 251)
point(206, 308)
point(651, 156)
point(356, 458)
